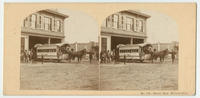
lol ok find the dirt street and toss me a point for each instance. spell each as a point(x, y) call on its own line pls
point(139, 76)
point(59, 76)
point(85, 76)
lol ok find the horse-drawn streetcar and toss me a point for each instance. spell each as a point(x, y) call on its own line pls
point(59, 52)
point(134, 52)
point(51, 52)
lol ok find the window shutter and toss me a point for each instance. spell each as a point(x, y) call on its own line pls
point(103, 23)
point(61, 26)
point(143, 25)
point(109, 21)
point(52, 24)
point(124, 22)
point(37, 21)
point(120, 22)
point(42, 22)
point(135, 25)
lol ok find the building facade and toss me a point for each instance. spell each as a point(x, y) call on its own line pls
point(162, 46)
point(80, 46)
point(42, 27)
point(125, 27)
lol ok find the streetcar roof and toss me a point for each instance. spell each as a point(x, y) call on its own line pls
point(54, 45)
point(133, 45)
point(47, 46)
point(63, 44)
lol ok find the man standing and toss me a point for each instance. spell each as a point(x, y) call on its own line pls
point(26, 56)
point(124, 59)
point(173, 55)
point(90, 57)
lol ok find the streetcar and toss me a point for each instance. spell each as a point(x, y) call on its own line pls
point(134, 52)
point(51, 51)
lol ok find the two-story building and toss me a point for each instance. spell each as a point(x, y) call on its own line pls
point(125, 27)
point(42, 27)
point(81, 46)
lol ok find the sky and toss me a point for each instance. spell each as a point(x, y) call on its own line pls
point(79, 27)
point(160, 27)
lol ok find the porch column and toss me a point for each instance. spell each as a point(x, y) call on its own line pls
point(158, 46)
point(76, 46)
point(109, 43)
point(131, 41)
point(49, 40)
point(26, 44)
point(144, 40)
point(62, 40)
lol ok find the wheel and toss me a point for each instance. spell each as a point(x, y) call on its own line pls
point(142, 60)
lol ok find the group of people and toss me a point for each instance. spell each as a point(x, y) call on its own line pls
point(113, 56)
point(27, 56)
point(108, 56)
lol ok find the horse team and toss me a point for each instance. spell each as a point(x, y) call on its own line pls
point(103, 56)
point(113, 56)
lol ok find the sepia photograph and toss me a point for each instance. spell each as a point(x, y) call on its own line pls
point(58, 51)
point(139, 51)
point(144, 49)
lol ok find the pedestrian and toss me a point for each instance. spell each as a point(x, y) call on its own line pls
point(31, 55)
point(90, 57)
point(59, 54)
point(111, 56)
point(22, 56)
point(108, 56)
point(25, 56)
point(173, 55)
point(42, 59)
point(117, 55)
point(104, 56)
point(124, 59)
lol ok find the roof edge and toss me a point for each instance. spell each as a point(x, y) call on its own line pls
point(56, 12)
point(138, 13)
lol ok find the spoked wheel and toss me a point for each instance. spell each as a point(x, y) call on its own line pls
point(142, 60)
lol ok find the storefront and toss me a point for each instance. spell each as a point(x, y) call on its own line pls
point(29, 41)
point(125, 27)
point(42, 27)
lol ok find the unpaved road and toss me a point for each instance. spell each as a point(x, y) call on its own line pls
point(59, 76)
point(85, 76)
point(139, 76)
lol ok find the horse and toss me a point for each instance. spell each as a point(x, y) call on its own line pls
point(159, 54)
point(78, 54)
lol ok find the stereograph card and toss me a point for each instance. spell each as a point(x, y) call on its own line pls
point(99, 49)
